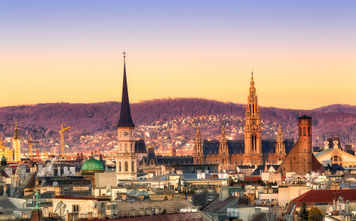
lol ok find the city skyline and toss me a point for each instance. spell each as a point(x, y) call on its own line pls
point(71, 52)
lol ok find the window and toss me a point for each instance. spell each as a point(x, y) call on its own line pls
point(126, 166)
point(336, 160)
point(119, 166)
point(132, 166)
point(75, 208)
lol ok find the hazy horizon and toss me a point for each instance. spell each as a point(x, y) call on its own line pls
point(168, 98)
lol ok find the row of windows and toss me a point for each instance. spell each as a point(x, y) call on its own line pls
point(125, 146)
point(305, 131)
point(126, 166)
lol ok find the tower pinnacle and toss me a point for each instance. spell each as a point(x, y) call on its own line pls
point(125, 113)
point(16, 131)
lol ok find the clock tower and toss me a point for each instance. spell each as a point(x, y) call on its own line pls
point(252, 132)
point(126, 159)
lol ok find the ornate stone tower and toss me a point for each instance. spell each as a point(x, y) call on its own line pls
point(252, 132)
point(301, 159)
point(198, 154)
point(126, 159)
point(280, 147)
point(223, 149)
point(16, 144)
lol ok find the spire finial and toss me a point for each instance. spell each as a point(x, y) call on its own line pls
point(252, 73)
point(124, 53)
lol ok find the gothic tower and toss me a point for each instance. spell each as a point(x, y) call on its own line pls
point(280, 147)
point(16, 144)
point(223, 149)
point(198, 148)
point(126, 160)
point(252, 132)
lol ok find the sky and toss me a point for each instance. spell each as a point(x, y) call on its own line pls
point(302, 52)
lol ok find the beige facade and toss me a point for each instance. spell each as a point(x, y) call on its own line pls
point(16, 145)
point(126, 159)
point(336, 155)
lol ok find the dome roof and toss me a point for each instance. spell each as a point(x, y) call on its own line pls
point(92, 165)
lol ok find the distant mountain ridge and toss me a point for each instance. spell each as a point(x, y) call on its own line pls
point(44, 119)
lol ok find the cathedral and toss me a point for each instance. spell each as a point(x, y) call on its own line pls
point(250, 151)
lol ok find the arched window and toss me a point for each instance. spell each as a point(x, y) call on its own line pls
point(336, 160)
point(304, 131)
point(125, 147)
point(300, 131)
point(131, 147)
point(119, 166)
point(132, 166)
point(126, 166)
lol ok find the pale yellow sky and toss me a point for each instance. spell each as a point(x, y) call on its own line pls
point(282, 80)
point(303, 52)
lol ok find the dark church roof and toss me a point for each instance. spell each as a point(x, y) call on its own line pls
point(304, 117)
point(174, 160)
point(140, 146)
point(125, 113)
point(238, 146)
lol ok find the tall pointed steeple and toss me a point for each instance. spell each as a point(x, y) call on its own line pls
point(125, 113)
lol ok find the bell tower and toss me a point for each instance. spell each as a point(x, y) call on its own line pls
point(252, 132)
point(16, 144)
point(280, 147)
point(223, 150)
point(126, 159)
point(198, 148)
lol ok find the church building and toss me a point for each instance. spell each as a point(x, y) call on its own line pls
point(250, 151)
point(301, 159)
point(126, 157)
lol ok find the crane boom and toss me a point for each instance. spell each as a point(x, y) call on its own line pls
point(61, 132)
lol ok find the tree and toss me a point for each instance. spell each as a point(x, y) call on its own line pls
point(315, 214)
point(303, 213)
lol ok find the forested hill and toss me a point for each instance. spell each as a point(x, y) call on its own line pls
point(45, 119)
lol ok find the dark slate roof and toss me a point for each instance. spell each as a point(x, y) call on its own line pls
point(238, 146)
point(151, 157)
point(176, 160)
point(140, 146)
point(258, 170)
point(334, 168)
point(304, 117)
point(210, 147)
point(125, 113)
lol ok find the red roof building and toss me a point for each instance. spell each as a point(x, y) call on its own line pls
point(321, 198)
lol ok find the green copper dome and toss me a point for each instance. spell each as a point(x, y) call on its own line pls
point(92, 165)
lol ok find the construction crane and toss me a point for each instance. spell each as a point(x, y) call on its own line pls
point(61, 132)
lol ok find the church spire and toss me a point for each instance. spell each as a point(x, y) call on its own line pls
point(125, 113)
point(16, 131)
